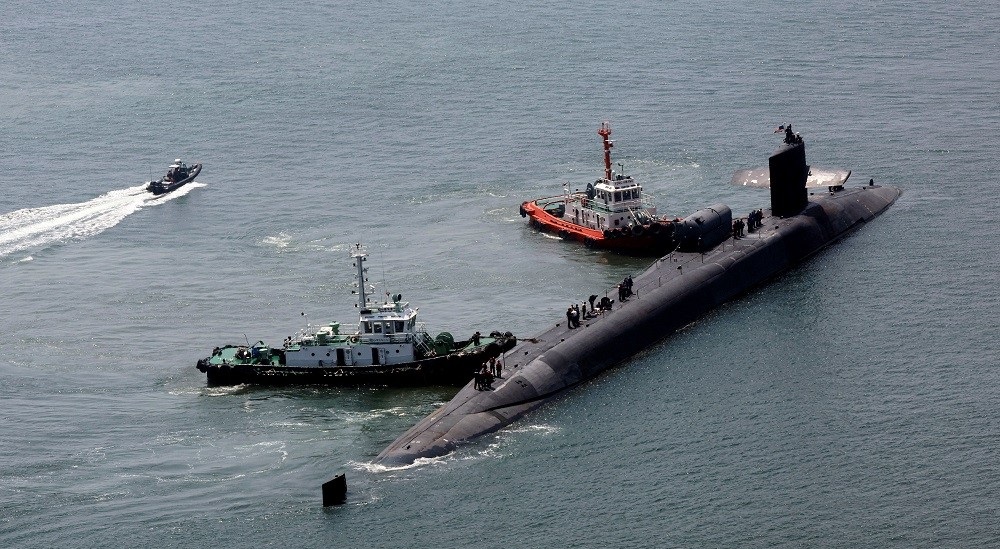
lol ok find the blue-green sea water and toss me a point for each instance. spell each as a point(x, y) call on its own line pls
point(850, 403)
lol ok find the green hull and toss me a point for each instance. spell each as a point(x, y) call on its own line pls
point(234, 365)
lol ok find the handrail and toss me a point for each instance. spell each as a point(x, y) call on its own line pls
point(644, 203)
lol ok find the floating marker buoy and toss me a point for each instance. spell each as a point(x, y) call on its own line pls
point(335, 491)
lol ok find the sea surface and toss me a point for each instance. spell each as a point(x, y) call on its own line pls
point(853, 402)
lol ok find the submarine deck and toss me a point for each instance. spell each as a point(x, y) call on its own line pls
point(686, 285)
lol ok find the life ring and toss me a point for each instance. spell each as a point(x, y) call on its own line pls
point(353, 339)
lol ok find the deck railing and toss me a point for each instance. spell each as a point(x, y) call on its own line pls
point(647, 202)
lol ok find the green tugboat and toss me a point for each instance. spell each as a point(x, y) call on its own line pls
point(387, 347)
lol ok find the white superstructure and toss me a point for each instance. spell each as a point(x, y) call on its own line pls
point(387, 333)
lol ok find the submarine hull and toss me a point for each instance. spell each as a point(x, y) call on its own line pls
point(673, 292)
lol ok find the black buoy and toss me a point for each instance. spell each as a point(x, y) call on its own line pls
point(335, 491)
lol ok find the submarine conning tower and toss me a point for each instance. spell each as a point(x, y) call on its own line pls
point(788, 176)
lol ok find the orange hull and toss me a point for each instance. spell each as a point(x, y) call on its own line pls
point(655, 240)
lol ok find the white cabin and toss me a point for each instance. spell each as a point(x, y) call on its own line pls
point(609, 204)
point(387, 333)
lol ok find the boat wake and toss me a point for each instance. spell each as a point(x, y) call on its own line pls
point(38, 228)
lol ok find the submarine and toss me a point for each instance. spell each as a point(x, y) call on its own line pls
point(714, 262)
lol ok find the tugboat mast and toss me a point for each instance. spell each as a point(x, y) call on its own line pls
point(605, 132)
point(360, 256)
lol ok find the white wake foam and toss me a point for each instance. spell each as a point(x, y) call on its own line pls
point(38, 228)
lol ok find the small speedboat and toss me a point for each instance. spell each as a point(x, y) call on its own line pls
point(178, 175)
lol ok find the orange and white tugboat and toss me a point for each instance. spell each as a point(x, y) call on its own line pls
point(613, 213)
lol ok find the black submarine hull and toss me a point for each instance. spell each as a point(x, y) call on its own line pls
point(673, 292)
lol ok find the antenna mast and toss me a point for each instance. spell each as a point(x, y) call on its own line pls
point(360, 256)
point(605, 132)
